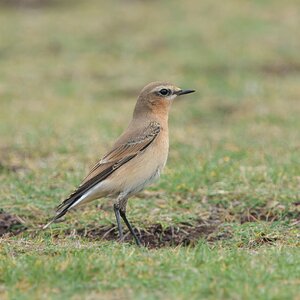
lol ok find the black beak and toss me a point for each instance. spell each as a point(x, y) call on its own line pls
point(184, 92)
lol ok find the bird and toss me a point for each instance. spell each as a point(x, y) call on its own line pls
point(136, 159)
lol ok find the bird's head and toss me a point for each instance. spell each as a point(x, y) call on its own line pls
point(157, 97)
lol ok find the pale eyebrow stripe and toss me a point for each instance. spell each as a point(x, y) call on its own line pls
point(161, 87)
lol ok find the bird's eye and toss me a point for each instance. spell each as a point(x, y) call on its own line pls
point(164, 92)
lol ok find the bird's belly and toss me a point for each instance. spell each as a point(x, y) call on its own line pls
point(139, 172)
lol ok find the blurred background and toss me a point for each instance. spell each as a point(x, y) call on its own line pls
point(70, 72)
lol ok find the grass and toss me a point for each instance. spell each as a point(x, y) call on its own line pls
point(200, 272)
point(69, 76)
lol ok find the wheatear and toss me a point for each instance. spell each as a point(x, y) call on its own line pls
point(136, 159)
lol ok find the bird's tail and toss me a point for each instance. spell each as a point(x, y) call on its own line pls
point(80, 195)
point(59, 214)
point(64, 207)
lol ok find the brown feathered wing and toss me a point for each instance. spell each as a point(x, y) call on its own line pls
point(113, 160)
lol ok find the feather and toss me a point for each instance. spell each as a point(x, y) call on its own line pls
point(112, 161)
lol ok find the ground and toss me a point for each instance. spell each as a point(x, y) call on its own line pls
point(223, 221)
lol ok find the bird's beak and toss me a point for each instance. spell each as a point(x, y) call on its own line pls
point(184, 92)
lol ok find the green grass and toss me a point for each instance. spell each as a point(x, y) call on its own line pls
point(112, 271)
point(69, 76)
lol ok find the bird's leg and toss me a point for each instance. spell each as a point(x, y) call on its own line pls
point(117, 214)
point(123, 215)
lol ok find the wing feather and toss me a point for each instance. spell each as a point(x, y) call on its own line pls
point(112, 161)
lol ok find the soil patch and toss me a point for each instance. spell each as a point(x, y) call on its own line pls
point(10, 224)
point(259, 214)
point(155, 235)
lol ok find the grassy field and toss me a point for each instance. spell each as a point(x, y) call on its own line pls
point(223, 221)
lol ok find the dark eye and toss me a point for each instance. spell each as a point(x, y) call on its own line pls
point(165, 92)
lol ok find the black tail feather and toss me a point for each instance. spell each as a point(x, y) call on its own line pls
point(62, 210)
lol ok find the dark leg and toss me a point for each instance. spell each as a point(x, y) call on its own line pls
point(123, 215)
point(117, 214)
